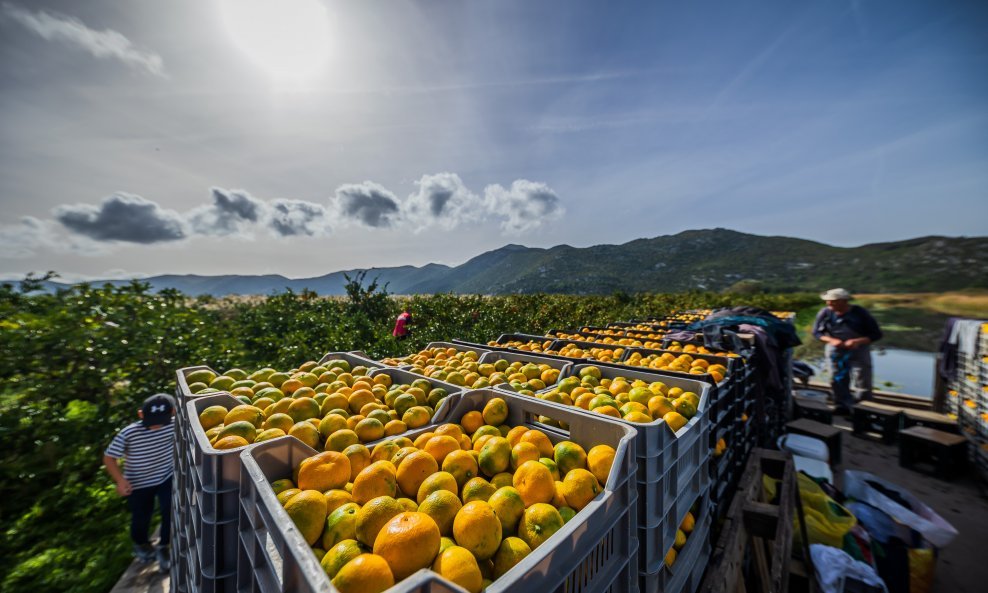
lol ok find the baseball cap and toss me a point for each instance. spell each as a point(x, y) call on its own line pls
point(836, 294)
point(157, 409)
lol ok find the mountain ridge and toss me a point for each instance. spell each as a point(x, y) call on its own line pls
point(710, 259)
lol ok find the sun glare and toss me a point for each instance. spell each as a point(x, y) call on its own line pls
point(288, 39)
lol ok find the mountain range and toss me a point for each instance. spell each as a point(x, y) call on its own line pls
point(713, 259)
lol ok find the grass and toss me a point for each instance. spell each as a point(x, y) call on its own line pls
point(967, 303)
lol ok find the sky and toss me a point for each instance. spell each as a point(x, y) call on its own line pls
point(302, 137)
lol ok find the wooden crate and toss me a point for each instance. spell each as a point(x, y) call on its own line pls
point(754, 547)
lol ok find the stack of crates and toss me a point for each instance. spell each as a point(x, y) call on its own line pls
point(595, 552)
point(967, 398)
point(206, 491)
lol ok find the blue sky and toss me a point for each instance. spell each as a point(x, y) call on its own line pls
point(227, 136)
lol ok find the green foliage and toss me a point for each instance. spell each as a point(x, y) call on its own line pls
point(75, 365)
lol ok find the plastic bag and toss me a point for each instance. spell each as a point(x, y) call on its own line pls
point(864, 486)
point(826, 521)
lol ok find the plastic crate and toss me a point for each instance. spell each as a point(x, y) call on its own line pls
point(657, 448)
point(515, 356)
point(558, 344)
point(662, 505)
point(686, 573)
point(594, 552)
point(431, 345)
point(401, 376)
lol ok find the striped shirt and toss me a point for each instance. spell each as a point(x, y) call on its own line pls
point(147, 454)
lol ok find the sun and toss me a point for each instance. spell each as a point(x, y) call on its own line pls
point(288, 39)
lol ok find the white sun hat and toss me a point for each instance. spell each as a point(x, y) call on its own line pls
point(836, 294)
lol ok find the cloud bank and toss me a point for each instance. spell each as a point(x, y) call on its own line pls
point(70, 31)
point(441, 200)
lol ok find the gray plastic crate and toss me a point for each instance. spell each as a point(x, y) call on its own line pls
point(401, 376)
point(655, 538)
point(593, 553)
point(656, 446)
point(686, 573)
point(515, 356)
point(213, 471)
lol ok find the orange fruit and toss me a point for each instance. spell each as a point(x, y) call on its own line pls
point(569, 456)
point(495, 456)
point(307, 510)
point(416, 416)
point(437, 481)
point(502, 479)
point(384, 451)
point(359, 456)
point(553, 469)
point(366, 573)
point(511, 551)
point(688, 523)
point(599, 461)
point(538, 523)
point(441, 446)
point(451, 430)
point(458, 564)
point(508, 506)
point(534, 482)
point(408, 542)
point(324, 471)
point(607, 411)
point(377, 479)
point(495, 411)
point(442, 506)
point(394, 427)
point(680, 540)
point(461, 465)
point(373, 516)
point(675, 420)
point(337, 556)
point(558, 498)
point(422, 439)
point(471, 421)
point(477, 528)
point(413, 470)
point(476, 489)
point(514, 435)
point(540, 440)
point(401, 454)
point(230, 442)
point(523, 452)
point(337, 498)
point(580, 487)
point(341, 439)
point(670, 557)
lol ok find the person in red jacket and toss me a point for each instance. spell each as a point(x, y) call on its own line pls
point(401, 330)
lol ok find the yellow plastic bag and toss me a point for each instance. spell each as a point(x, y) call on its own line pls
point(826, 521)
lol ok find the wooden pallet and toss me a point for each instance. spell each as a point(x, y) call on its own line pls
point(754, 548)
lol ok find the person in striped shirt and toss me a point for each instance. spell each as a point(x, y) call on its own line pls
point(146, 448)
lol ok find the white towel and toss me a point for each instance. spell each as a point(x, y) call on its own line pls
point(834, 566)
point(965, 335)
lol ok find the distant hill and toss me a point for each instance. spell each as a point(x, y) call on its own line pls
point(714, 259)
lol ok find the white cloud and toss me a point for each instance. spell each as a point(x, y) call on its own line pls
point(123, 217)
point(232, 212)
point(31, 235)
point(527, 205)
point(290, 218)
point(73, 32)
point(368, 203)
point(443, 200)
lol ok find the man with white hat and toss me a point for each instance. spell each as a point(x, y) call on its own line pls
point(848, 331)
